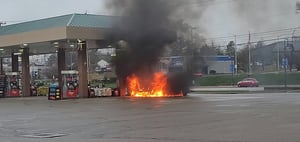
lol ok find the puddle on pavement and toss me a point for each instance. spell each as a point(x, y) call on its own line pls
point(42, 135)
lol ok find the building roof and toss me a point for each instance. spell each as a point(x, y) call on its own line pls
point(70, 20)
point(40, 34)
point(278, 46)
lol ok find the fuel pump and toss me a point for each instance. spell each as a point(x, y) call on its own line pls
point(13, 87)
point(70, 83)
point(3, 85)
point(54, 91)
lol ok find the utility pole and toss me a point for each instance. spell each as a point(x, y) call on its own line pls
point(249, 54)
point(278, 56)
point(1, 59)
point(292, 51)
point(285, 43)
point(235, 57)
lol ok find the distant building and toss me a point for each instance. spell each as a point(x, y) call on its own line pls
point(273, 55)
point(221, 65)
point(103, 66)
point(172, 64)
point(213, 65)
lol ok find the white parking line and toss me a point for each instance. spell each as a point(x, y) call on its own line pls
point(229, 98)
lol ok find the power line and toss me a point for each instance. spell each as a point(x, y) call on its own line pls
point(256, 33)
point(266, 40)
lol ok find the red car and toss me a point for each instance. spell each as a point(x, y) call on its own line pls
point(248, 82)
point(198, 74)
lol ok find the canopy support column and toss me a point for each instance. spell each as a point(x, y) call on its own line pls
point(61, 62)
point(82, 69)
point(14, 62)
point(25, 73)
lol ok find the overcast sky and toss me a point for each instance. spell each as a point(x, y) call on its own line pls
point(220, 18)
point(228, 17)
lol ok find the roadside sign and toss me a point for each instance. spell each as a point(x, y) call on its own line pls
point(33, 74)
point(285, 62)
point(231, 68)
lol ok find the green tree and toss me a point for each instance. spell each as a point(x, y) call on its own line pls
point(243, 58)
point(219, 51)
point(230, 48)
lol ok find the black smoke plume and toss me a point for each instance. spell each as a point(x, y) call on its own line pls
point(142, 29)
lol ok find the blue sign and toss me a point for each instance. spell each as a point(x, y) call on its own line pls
point(284, 62)
point(33, 74)
point(231, 68)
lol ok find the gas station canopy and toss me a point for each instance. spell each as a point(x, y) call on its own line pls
point(45, 35)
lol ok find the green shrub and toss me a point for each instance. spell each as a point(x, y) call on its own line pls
point(263, 78)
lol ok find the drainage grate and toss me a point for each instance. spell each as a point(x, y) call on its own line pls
point(43, 135)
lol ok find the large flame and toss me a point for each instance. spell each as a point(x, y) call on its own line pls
point(153, 87)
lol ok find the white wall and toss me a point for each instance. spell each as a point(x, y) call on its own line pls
point(220, 67)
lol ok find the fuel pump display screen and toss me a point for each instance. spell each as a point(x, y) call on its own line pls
point(14, 85)
point(71, 83)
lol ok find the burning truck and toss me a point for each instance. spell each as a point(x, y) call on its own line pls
point(141, 33)
point(159, 85)
point(169, 77)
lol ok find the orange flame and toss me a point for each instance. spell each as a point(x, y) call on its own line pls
point(155, 87)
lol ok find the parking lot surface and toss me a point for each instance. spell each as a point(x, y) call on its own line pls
point(267, 117)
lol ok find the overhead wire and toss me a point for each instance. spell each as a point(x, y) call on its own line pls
point(266, 34)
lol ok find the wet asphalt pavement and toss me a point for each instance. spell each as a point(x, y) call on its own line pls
point(196, 118)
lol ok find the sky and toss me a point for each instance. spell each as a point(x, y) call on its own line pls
point(236, 17)
point(220, 17)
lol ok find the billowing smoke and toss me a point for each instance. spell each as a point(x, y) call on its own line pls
point(146, 28)
point(143, 29)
